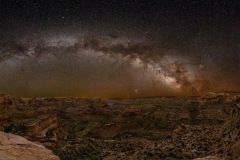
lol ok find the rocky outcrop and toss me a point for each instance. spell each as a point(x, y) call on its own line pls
point(16, 147)
point(208, 158)
point(39, 126)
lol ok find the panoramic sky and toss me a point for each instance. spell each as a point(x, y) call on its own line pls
point(119, 48)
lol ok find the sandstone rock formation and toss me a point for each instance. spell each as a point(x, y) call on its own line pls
point(18, 148)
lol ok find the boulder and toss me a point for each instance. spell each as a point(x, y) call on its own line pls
point(16, 147)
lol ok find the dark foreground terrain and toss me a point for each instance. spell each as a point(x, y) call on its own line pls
point(151, 128)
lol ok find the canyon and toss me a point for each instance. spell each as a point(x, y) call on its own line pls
point(144, 128)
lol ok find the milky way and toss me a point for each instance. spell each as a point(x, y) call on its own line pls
point(118, 49)
point(84, 67)
point(95, 67)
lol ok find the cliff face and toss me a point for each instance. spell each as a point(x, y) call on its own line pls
point(177, 127)
point(16, 147)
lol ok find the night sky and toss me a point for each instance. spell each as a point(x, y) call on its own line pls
point(119, 48)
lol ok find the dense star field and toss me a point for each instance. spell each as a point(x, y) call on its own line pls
point(120, 49)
